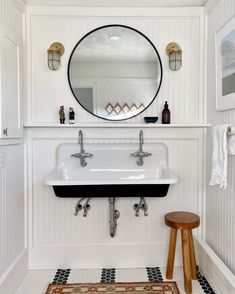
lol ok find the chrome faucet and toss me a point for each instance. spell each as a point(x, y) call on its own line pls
point(82, 154)
point(141, 137)
point(140, 154)
point(80, 140)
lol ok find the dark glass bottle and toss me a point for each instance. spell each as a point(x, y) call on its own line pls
point(166, 114)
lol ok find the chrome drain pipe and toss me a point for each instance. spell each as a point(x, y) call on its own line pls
point(113, 216)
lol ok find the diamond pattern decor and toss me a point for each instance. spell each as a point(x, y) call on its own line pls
point(118, 108)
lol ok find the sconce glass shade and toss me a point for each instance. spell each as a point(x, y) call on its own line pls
point(175, 60)
point(55, 52)
point(53, 60)
point(174, 52)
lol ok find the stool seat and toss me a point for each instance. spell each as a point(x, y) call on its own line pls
point(185, 222)
point(182, 220)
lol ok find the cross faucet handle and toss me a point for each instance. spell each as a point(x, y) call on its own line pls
point(141, 154)
point(146, 154)
point(135, 154)
point(86, 154)
point(82, 156)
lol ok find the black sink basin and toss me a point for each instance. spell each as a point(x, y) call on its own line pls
point(125, 190)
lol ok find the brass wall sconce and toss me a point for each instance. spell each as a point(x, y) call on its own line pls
point(174, 52)
point(55, 52)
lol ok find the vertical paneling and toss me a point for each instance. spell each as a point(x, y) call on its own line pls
point(52, 221)
point(11, 205)
point(220, 204)
point(11, 15)
point(52, 224)
point(55, 225)
point(12, 217)
point(181, 88)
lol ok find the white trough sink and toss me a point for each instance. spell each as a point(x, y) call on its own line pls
point(111, 170)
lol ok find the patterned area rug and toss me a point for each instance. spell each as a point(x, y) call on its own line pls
point(127, 288)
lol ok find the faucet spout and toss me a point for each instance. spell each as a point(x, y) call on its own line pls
point(80, 140)
point(141, 140)
point(82, 155)
point(140, 154)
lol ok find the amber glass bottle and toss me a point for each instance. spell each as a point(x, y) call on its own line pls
point(166, 114)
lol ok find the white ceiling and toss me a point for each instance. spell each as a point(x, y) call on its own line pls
point(136, 3)
point(131, 46)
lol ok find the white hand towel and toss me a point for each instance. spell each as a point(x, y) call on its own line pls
point(219, 156)
point(231, 145)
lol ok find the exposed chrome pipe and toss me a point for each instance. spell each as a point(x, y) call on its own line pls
point(113, 216)
point(78, 206)
point(144, 207)
point(85, 207)
point(141, 205)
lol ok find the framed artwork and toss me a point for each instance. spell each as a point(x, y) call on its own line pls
point(225, 66)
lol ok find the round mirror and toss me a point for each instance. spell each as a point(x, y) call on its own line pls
point(115, 72)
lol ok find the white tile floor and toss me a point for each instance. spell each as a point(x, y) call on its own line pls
point(36, 281)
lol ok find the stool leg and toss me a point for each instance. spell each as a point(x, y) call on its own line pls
point(171, 254)
point(192, 257)
point(186, 261)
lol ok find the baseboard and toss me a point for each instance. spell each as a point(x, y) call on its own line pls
point(14, 275)
point(99, 256)
point(221, 279)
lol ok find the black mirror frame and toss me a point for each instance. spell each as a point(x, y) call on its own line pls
point(124, 26)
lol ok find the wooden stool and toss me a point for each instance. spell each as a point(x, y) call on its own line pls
point(184, 221)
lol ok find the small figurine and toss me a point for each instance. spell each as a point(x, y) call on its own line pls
point(62, 115)
point(71, 115)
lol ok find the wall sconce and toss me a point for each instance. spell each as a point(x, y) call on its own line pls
point(55, 51)
point(174, 52)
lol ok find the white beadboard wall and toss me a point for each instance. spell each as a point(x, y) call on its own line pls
point(220, 204)
point(12, 205)
point(56, 237)
point(54, 231)
point(13, 254)
point(11, 12)
point(48, 89)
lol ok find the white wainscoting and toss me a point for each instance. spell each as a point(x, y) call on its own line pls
point(12, 224)
point(58, 238)
point(220, 203)
point(47, 89)
point(11, 15)
point(13, 254)
point(12, 204)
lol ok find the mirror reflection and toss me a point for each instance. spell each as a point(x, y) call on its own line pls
point(115, 72)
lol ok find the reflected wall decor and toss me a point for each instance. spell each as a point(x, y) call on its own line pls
point(225, 66)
